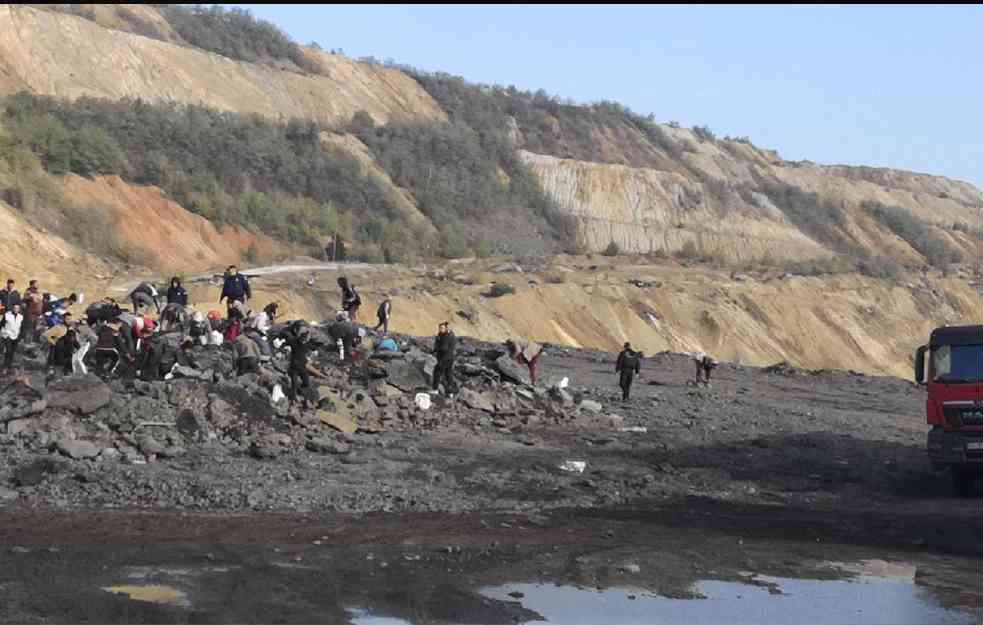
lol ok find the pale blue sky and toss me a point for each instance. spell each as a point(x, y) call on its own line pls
point(895, 86)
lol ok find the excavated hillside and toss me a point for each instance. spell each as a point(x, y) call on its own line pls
point(64, 55)
point(645, 191)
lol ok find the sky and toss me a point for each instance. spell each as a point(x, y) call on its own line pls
point(880, 85)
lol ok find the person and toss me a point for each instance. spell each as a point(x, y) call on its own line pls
point(445, 347)
point(526, 353)
point(300, 349)
point(10, 333)
point(62, 352)
point(144, 295)
point(629, 365)
point(384, 313)
point(110, 346)
point(199, 328)
point(235, 288)
point(247, 355)
point(234, 327)
point(176, 294)
point(350, 300)
point(704, 365)
point(105, 310)
point(63, 303)
point(33, 309)
point(156, 357)
point(173, 316)
point(259, 326)
point(9, 295)
point(346, 333)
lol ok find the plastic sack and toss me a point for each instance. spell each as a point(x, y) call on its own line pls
point(422, 401)
point(215, 338)
point(277, 394)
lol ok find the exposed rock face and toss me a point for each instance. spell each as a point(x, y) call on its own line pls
point(68, 56)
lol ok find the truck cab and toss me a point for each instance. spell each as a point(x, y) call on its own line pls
point(951, 368)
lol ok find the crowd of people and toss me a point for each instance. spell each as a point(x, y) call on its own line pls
point(117, 342)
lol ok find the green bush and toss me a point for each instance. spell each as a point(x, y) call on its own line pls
point(612, 249)
point(498, 290)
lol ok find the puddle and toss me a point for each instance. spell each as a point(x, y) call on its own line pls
point(154, 594)
point(889, 597)
point(864, 600)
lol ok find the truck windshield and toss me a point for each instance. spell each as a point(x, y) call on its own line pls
point(958, 363)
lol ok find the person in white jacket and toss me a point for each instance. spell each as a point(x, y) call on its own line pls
point(10, 335)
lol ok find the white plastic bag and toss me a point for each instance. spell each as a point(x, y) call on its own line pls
point(563, 383)
point(215, 338)
point(78, 366)
point(277, 394)
point(573, 466)
point(422, 401)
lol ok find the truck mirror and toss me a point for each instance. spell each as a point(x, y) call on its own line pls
point(920, 364)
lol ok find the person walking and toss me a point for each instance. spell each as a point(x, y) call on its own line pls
point(628, 365)
point(384, 313)
point(10, 333)
point(445, 348)
point(526, 353)
point(235, 288)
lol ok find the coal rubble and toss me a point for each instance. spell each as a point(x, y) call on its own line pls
point(207, 439)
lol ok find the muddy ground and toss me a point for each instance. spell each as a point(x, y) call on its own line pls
point(770, 471)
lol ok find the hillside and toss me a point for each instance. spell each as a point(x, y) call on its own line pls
point(193, 159)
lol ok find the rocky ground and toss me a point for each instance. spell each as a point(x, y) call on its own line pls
point(217, 442)
point(262, 512)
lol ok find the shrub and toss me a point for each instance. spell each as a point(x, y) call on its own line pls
point(498, 290)
point(688, 251)
point(703, 133)
point(913, 231)
point(612, 249)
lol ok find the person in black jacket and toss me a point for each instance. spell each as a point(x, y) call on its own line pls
point(350, 300)
point(9, 295)
point(176, 292)
point(300, 350)
point(629, 364)
point(384, 313)
point(235, 288)
point(444, 348)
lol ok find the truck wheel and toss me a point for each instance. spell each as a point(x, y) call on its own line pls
point(962, 480)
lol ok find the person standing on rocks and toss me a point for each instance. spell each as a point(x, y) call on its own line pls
point(247, 355)
point(110, 346)
point(350, 300)
point(235, 289)
point(704, 365)
point(33, 309)
point(384, 313)
point(526, 353)
point(61, 353)
point(445, 348)
point(629, 365)
point(10, 333)
point(300, 379)
point(143, 296)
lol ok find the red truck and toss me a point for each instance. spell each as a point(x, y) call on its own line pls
point(954, 407)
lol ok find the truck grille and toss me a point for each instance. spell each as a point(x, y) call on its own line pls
point(959, 415)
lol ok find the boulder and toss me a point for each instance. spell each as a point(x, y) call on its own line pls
point(77, 450)
point(342, 423)
point(477, 401)
point(590, 405)
point(83, 394)
point(192, 425)
point(33, 473)
point(511, 370)
point(407, 375)
point(221, 414)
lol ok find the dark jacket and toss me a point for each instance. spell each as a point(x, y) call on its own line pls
point(236, 288)
point(9, 298)
point(629, 362)
point(444, 346)
point(300, 351)
point(62, 351)
point(385, 308)
point(109, 338)
point(349, 297)
point(101, 311)
point(177, 295)
point(344, 330)
point(146, 288)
